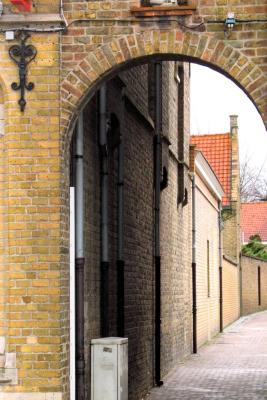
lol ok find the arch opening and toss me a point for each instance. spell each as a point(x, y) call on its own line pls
point(131, 97)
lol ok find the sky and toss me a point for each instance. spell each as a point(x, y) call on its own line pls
point(215, 97)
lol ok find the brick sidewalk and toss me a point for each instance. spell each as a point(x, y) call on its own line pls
point(232, 367)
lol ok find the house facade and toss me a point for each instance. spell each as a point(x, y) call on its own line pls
point(207, 195)
point(221, 151)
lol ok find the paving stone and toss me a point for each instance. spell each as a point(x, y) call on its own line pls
point(232, 367)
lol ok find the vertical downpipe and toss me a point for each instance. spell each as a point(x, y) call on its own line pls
point(194, 277)
point(240, 285)
point(103, 144)
point(79, 261)
point(220, 267)
point(158, 144)
point(120, 260)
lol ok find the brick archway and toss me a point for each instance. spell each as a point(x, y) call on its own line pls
point(171, 44)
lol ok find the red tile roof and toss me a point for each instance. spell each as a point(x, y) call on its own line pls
point(217, 150)
point(254, 220)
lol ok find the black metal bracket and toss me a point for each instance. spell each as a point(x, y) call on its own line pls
point(22, 55)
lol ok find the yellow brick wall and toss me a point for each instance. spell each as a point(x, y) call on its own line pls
point(3, 235)
point(231, 292)
point(32, 285)
point(207, 229)
point(250, 293)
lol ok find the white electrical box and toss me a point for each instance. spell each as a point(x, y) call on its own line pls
point(109, 373)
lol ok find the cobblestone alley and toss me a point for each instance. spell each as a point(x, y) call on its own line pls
point(232, 367)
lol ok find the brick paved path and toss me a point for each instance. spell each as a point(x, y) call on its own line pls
point(233, 367)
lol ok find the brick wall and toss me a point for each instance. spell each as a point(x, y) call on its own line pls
point(137, 135)
point(231, 215)
point(251, 268)
point(230, 232)
point(231, 292)
point(175, 239)
point(231, 236)
point(32, 255)
point(138, 239)
point(2, 113)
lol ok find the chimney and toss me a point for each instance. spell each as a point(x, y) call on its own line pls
point(235, 158)
point(233, 124)
point(192, 157)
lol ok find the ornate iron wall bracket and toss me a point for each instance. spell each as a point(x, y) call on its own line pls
point(22, 55)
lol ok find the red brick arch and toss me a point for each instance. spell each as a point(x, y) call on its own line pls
point(166, 44)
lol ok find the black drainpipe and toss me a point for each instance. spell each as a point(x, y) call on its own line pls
point(157, 173)
point(194, 272)
point(120, 261)
point(220, 268)
point(103, 145)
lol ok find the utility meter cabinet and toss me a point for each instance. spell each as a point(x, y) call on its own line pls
point(109, 373)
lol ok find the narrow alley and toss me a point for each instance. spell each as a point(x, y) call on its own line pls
point(232, 367)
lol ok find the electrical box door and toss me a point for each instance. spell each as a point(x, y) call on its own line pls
point(109, 373)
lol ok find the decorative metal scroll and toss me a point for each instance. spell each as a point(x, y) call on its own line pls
point(22, 55)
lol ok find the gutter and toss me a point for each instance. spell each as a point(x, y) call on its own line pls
point(157, 257)
point(120, 234)
point(104, 264)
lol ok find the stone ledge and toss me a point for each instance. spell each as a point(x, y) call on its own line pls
point(162, 11)
point(16, 20)
point(31, 396)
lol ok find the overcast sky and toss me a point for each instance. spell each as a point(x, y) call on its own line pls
point(213, 99)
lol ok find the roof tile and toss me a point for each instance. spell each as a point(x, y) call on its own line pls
point(217, 150)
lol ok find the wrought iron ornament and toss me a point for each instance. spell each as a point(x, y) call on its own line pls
point(22, 55)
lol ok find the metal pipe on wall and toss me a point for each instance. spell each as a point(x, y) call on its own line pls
point(103, 145)
point(120, 260)
point(194, 272)
point(220, 268)
point(157, 173)
point(240, 285)
point(79, 260)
